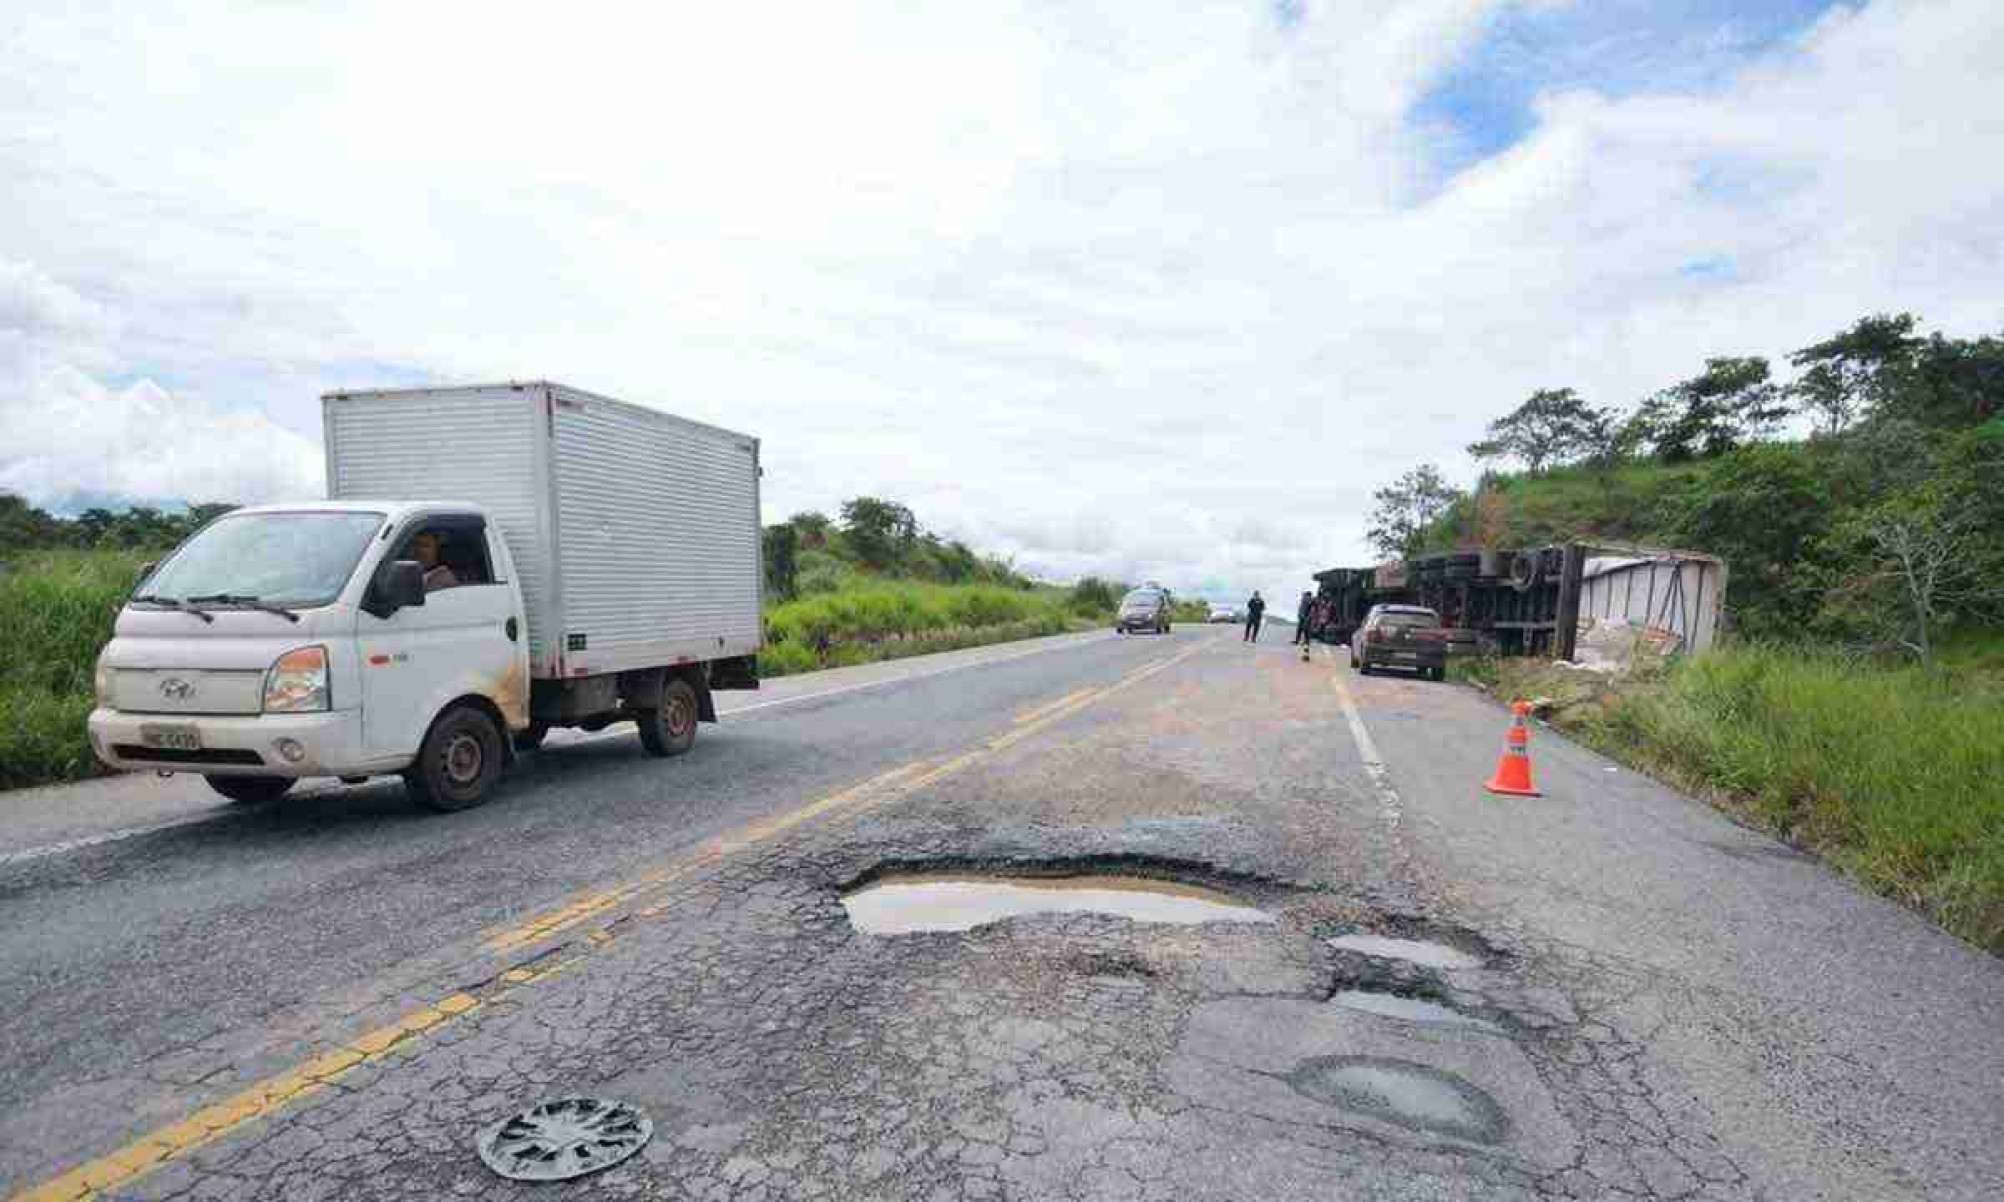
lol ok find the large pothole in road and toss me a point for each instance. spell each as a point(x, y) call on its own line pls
point(905, 905)
point(1415, 1096)
point(1416, 951)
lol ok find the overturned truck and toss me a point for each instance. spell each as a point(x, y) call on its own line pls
point(1538, 600)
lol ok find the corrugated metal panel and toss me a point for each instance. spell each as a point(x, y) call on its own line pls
point(1669, 592)
point(480, 445)
point(658, 520)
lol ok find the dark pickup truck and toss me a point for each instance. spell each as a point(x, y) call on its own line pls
point(1400, 636)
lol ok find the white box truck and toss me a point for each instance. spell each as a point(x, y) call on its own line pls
point(491, 562)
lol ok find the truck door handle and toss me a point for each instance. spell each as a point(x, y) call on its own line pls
point(510, 629)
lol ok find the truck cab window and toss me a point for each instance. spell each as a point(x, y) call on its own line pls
point(453, 554)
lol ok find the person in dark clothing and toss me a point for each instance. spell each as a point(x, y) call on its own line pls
point(1255, 607)
point(1304, 616)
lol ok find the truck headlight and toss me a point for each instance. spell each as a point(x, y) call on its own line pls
point(297, 682)
point(101, 682)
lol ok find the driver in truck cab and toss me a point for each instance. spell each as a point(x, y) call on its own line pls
point(425, 545)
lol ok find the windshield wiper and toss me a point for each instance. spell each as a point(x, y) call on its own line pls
point(249, 600)
point(173, 603)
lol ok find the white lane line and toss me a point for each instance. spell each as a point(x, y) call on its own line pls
point(1365, 747)
point(734, 711)
point(1390, 808)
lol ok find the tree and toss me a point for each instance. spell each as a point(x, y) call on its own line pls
point(782, 560)
point(1405, 508)
point(1762, 508)
point(1860, 367)
point(813, 528)
point(1930, 558)
point(1947, 383)
point(879, 532)
point(1822, 393)
point(1553, 426)
point(1709, 414)
point(1092, 596)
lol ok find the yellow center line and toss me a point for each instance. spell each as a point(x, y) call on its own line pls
point(1038, 711)
point(266, 1097)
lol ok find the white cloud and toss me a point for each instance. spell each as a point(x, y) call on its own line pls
point(1156, 290)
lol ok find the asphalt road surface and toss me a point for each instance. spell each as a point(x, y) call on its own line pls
point(1425, 991)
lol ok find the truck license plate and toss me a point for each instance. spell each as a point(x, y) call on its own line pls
point(175, 738)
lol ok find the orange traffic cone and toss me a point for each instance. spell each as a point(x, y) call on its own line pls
point(1513, 771)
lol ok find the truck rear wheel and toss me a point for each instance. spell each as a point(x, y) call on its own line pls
point(246, 789)
point(671, 729)
point(459, 762)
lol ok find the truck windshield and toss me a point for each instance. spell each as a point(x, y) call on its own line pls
point(296, 559)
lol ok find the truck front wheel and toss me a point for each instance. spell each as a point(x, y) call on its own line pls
point(459, 762)
point(246, 789)
point(671, 729)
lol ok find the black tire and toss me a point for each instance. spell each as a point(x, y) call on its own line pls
point(531, 736)
point(459, 762)
point(671, 729)
point(245, 790)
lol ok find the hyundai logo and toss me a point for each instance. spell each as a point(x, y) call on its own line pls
point(175, 689)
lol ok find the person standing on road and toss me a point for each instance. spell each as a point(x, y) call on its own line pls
point(1304, 613)
point(1255, 606)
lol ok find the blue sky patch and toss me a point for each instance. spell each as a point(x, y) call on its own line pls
point(1615, 47)
point(1712, 267)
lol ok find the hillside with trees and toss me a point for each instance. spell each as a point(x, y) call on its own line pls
point(1856, 706)
point(1878, 523)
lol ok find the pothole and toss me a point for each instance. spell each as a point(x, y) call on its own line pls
point(1415, 1096)
point(1409, 1009)
point(907, 905)
point(1417, 951)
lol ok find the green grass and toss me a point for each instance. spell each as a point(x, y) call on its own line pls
point(875, 620)
point(56, 611)
point(1892, 773)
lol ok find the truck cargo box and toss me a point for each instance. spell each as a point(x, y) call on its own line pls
point(636, 533)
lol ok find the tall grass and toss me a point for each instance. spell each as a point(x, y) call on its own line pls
point(1894, 774)
point(887, 620)
point(56, 611)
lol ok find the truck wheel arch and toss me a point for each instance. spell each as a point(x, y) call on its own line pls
point(642, 689)
point(485, 705)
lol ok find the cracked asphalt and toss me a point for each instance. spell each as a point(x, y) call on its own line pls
point(328, 997)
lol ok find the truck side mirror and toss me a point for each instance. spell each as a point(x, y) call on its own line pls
point(398, 585)
point(145, 570)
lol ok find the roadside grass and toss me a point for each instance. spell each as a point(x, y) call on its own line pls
point(57, 609)
point(1892, 773)
point(879, 620)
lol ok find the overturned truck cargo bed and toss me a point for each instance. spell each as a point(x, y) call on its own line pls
point(1540, 600)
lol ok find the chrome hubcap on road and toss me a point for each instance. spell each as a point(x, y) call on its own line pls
point(564, 1138)
point(463, 757)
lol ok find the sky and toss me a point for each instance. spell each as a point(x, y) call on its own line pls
point(1152, 291)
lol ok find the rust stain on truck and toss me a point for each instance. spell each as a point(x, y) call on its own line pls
point(511, 694)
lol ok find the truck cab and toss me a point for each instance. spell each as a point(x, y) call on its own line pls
point(322, 639)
